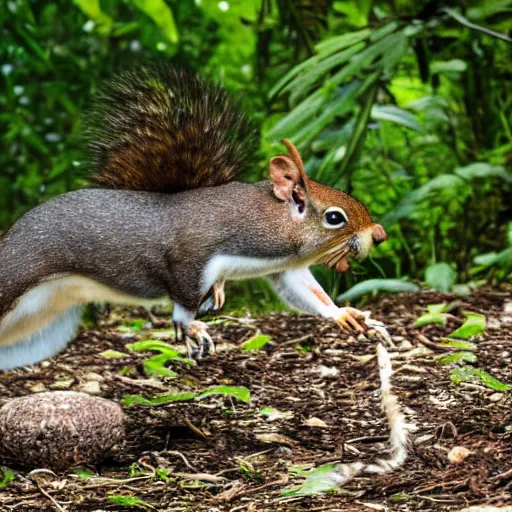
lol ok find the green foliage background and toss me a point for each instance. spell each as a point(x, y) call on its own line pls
point(406, 104)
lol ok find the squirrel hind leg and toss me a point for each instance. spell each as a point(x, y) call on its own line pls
point(193, 332)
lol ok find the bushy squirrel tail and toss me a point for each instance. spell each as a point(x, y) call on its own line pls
point(162, 129)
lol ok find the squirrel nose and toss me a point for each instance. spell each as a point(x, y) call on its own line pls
point(378, 234)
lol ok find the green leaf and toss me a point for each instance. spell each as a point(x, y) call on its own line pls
point(266, 411)
point(92, 9)
point(300, 115)
point(292, 73)
point(156, 366)
point(136, 325)
point(473, 326)
point(440, 276)
point(343, 104)
point(155, 345)
point(256, 342)
point(163, 474)
point(377, 285)
point(448, 66)
point(129, 501)
point(502, 259)
point(431, 318)
point(6, 476)
point(239, 392)
point(463, 345)
point(469, 373)
point(83, 473)
point(113, 354)
point(367, 58)
point(437, 308)
point(461, 290)
point(438, 186)
point(401, 496)
point(435, 315)
point(456, 357)
point(395, 115)
point(320, 480)
point(162, 16)
point(360, 128)
point(335, 44)
point(158, 400)
point(303, 82)
point(273, 414)
point(483, 170)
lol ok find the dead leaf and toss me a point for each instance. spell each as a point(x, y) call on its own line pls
point(316, 422)
point(275, 438)
point(458, 454)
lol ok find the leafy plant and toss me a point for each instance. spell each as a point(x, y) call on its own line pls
point(129, 501)
point(238, 392)
point(474, 325)
point(158, 400)
point(155, 365)
point(469, 373)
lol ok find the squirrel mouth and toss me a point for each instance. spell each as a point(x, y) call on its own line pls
point(337, 259)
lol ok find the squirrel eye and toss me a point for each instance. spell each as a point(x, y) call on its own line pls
point(334, 218)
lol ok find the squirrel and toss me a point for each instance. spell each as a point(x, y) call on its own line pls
point(171, 220)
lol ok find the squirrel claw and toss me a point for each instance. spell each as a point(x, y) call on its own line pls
point(348, 319)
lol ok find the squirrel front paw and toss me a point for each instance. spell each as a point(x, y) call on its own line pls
point(349, 319)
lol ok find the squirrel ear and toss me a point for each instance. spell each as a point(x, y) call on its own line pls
point(288, 177)
point(286, 180)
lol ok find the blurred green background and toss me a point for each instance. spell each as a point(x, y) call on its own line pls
point(405, 104)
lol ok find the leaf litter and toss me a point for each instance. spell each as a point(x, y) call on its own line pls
point(241, 461)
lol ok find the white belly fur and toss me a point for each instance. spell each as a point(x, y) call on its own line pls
point(226, 267)
point(42, 304)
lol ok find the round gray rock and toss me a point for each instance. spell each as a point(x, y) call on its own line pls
point(60, 429)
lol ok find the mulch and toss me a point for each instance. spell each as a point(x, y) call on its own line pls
point(220, 454)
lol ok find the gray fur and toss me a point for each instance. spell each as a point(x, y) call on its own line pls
point(144, 244)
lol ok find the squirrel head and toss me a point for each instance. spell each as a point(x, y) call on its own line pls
point(336, 225)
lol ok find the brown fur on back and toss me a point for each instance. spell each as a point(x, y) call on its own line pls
point(166, 130)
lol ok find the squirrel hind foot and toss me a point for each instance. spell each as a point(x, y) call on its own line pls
point(199, 337)
point(193, 333)
point(161, 129)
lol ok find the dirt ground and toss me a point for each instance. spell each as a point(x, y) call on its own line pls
point(217, 453)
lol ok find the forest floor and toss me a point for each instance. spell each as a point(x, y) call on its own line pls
point(221, 454)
